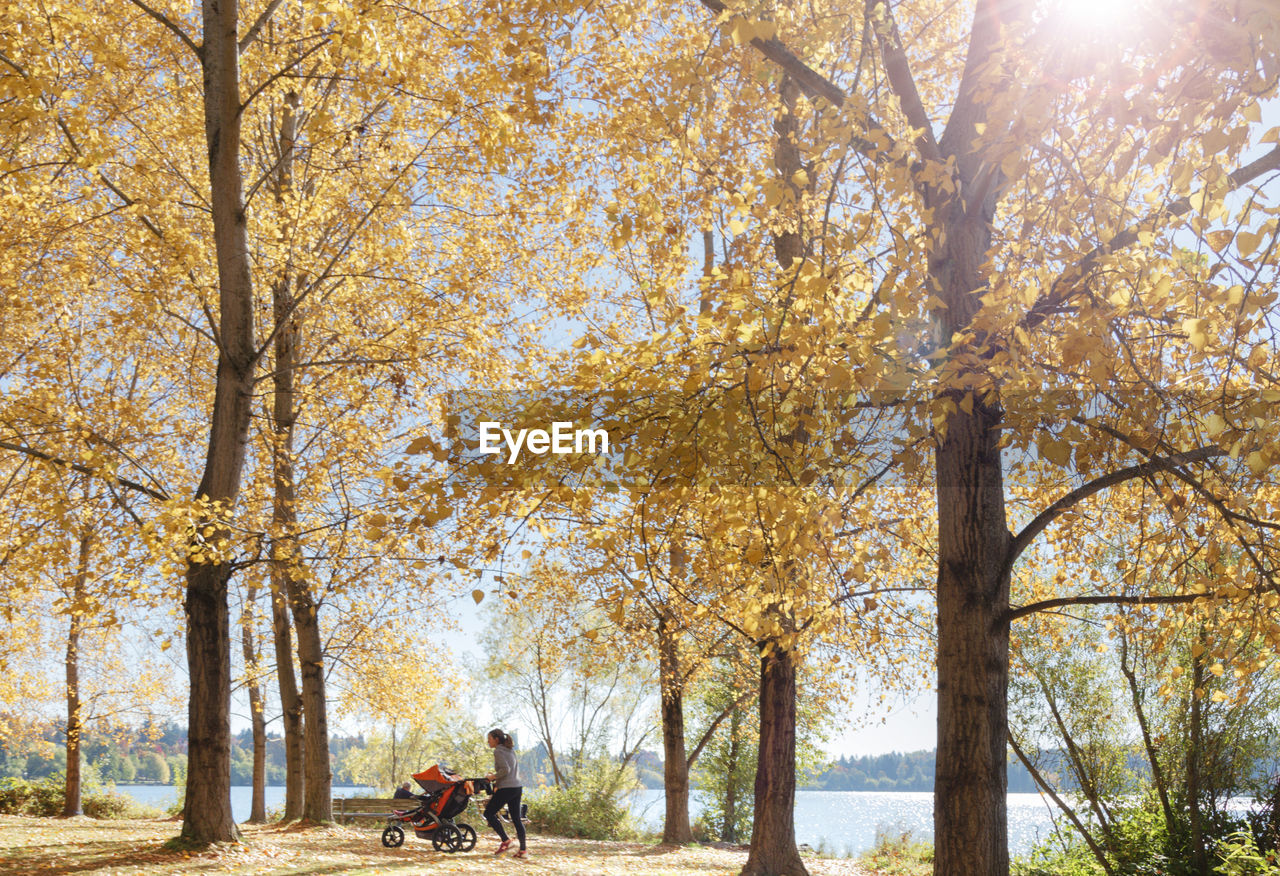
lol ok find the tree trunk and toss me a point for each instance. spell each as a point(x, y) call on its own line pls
point(1200, 854)
point(729, 830)
point(258, 806)
point(970, 818)
point(1148, 744)
point(72, 804)
point(290, 699)
point(288, 564)
point(773, 831)
point(206, 810)
point(318, 800)
point(675, 768)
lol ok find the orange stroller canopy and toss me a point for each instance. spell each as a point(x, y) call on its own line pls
point(438, 775)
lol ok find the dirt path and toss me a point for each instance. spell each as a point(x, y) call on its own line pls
point(82, 845)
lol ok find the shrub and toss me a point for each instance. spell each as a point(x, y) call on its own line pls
point(44, 797)
point(592, 807)
point(899, 853)
point(47, 796)
point(1239, 856)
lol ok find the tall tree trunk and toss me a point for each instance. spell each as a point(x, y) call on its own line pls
point(1200, 855)
point(287, 553)
point(773, 834)
point(258, 721)
point(206, 810)
point(284, 518)
point(729, 830)
point(970, 790)
point(290, 699)
point(970, 820)
point(317, 802)
point(773, 831)
point(675, 768)
point(72, 805)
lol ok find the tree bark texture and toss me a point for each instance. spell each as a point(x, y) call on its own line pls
point(206, 810)
point(317, 802)
point(72, 804)
point(773, 835)
point(675, 770)
point(729, 830)
point(290, 699)
point(970, 820)
point(970, 804)
point(258, 722)
point(773, 832)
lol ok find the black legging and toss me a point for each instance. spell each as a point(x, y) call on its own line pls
point(510, 798)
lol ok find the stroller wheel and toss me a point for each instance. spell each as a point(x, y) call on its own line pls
point(466, 838)
point(445, 839)
point(393, 836)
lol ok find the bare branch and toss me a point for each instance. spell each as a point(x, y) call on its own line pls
point(1140, 470)
point(706, 737)
point(169, 23)
point(83, 469)
point(1119, 599)
point(902, 81)
point(252, 34)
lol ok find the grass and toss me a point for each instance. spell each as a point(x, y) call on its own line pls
point(64, 846)
point(899, 853)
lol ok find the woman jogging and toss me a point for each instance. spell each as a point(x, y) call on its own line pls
point(506, 791)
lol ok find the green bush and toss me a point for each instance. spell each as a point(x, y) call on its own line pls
point(108, 804)
point(592, 807)
point(44, 797)
point(1144, 846)
point(47, 796)
point(1238, 855)
point(582, 813)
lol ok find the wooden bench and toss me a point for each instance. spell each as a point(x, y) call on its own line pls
point(348, 809)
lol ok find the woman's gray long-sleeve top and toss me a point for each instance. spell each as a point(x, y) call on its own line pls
point(505, 768)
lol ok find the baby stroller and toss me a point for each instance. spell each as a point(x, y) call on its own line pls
point(446, 797)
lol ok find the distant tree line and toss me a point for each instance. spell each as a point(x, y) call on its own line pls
point(896, 771)
point(152, 755)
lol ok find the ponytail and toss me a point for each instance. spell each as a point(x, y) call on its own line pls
point(503, 738)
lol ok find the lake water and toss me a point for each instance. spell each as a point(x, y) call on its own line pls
point(843, 822)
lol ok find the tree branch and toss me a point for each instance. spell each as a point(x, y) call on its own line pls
point(169, 23)
point(815, 86)
point(901, 79)
point(83, 469)
point(813, 82)
point(1164, 463)
point(1061, 804)
point(1071, 281)
point(1140, 599)
point(706, 737)
point(252, 34)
